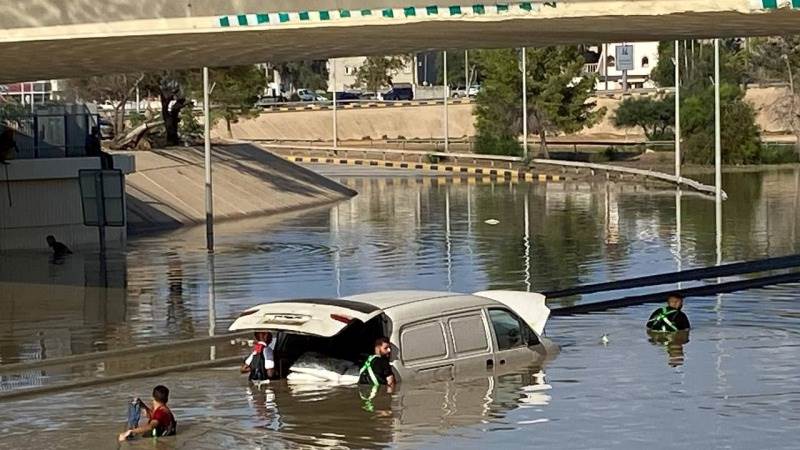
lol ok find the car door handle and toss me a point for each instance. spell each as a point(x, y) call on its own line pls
point(489, 363)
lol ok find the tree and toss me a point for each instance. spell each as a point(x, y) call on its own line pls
point(378, 71)
point(558, 96)
point(116, 89)
point(741, 141)
point(779, 58)
point(308, 74)
point(740, 136)
point(236, 89)
point(655, 116)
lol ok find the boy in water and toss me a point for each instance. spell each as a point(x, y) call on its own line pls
point(160, 421)
point(260, 365)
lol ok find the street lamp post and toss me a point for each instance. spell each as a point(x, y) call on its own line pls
point(524, 103)
point(207, 148)
point(717, 153)
point(677, 112)
point(446, 118)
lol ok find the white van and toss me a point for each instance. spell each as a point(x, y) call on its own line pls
point(435, 335)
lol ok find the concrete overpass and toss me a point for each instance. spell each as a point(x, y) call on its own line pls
point(42, 39)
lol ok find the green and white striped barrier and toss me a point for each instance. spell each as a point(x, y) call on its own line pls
point(418, 13)
point(410, 12)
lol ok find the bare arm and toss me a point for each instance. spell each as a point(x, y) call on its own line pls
point(148, 427)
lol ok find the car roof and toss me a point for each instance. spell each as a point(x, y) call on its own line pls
point(393, 299)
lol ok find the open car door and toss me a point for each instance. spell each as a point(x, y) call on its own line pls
point(530, 306)
point(317, 317)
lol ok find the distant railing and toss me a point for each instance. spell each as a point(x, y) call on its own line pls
point(590, 68)
point(508, 161)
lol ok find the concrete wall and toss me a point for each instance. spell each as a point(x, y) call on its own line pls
point(39, 197)
point(355, 124)
point(168, 188)
point(425, 122)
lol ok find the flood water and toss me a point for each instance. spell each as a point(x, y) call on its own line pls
point(732, 385)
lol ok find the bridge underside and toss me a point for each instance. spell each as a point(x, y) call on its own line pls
point(76, 50)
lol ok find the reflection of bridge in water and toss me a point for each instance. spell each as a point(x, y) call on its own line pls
point(56, 38)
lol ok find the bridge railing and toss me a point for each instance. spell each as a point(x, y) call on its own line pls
point(495, 161)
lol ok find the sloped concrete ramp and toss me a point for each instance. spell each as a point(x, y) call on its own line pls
point(168, 188)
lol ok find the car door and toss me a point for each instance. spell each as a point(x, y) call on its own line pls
point(425, 352)
point(513, 339)
point(471, 343)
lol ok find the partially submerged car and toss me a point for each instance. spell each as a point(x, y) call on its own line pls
point(436, 335)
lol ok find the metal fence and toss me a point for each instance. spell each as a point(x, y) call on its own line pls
point(54, 132)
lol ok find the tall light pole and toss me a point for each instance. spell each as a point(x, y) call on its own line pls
point(466, 73)
point(717, 153)
point(524, 103)
point(677, 112)
point(446, 118)
point(335, 125)
point(207, 148)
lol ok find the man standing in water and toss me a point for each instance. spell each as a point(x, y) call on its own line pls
point(669, 318)
point(260, 365)
point(376, 369)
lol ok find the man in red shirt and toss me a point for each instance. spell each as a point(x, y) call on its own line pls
point(160, 421)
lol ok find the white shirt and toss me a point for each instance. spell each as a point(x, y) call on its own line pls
point(269, 358)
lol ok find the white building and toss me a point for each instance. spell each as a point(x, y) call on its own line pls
point(645, 58)
point(345, 70)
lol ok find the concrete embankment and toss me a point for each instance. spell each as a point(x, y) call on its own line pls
point(168, 188)
point(426, 122)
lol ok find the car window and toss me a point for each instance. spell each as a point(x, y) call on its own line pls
point(469, 334)
point(422, 342)
point(510, 330)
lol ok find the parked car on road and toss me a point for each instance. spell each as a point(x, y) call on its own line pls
point(400, 91)
point(462, 92)
point(269, 101)
point(307, 95)
point(346, 97)
point(436, 335)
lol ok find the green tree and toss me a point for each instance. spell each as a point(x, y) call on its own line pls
point(378, 71)
point(740, 136)
point(779, 58)
point(741, 140)
point(558, 97)
point(116, 89)
point(307, 74)
point(235, 91)
point(655, 116)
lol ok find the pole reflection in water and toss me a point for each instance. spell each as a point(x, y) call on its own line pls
point(447, 239)
point(678, 219)
point(212, 305)
point(335, 245)
point(527, 243)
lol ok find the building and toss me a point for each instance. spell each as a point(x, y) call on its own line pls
point(345, 70)
point(645, 58)
point(33, 91)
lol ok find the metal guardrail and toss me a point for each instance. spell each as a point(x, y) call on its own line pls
point(725, 270)
point(510, 161)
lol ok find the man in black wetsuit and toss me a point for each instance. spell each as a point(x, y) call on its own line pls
point(669, 318)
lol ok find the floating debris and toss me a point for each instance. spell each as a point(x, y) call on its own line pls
point(604, 339)
point(491, 221)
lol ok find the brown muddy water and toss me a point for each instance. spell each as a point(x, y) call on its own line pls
point(732, 385)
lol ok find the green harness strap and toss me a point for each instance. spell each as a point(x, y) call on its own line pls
point(367, 367)
point(663, 318)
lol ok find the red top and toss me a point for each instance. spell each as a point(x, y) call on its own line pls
point(166, 422)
